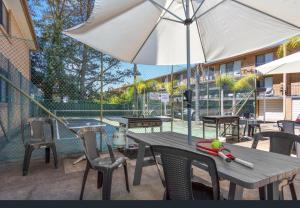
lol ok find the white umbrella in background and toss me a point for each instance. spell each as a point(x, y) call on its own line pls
point(286, 65)
point(171, 32)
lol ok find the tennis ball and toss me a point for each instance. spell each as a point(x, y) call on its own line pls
point(216, 144)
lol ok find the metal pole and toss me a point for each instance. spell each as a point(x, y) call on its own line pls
point(255, 95)
point(172, 99)
point(188, 47)
point(197, 108)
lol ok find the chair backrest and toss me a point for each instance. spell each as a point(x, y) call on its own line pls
point(286, 126)
point(246, 115)
point(177, 165)
point(89, 139)
point(39, 128)
point(280, 142)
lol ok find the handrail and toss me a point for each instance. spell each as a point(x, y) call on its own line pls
point(242, 101)
point(245, 101)
point(32, 99)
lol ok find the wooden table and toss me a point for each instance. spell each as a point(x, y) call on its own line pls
point(269, 168)
point(216, 121)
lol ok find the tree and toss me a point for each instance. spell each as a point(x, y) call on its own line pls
point(48, 62)
point(61, 62)
point(291, 44)
point(229, 82)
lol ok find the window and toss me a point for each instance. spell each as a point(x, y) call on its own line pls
point(4, 16)
point(263, 59)
point(210, 73)
point(233, 68)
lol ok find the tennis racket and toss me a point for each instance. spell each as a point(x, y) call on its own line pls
point(224, 153)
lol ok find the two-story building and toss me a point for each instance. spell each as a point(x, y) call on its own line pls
point(17, 39)
point(269, 104)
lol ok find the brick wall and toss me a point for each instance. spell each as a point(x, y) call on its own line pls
point(14, 51)
point(15, 48)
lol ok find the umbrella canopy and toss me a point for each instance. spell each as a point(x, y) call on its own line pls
point(287, 65)
point(172, 32)
point(143, 32)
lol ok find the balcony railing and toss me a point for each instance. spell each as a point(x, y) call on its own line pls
point(292, 90)
point(295, 89)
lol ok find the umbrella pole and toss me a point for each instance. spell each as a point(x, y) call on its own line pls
point(189, 100)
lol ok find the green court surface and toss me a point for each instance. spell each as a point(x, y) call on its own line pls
point(13, 148)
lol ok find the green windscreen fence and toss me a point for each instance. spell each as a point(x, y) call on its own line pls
point(69, 86)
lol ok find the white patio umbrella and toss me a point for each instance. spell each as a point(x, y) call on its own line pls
point(286, 65)
point(171, 32)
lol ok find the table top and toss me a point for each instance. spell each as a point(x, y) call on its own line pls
point(220, 117)
point(268, 167)
point(77, 124)
point(124, 120)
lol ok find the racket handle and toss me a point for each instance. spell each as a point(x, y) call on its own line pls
point(224, 157)
point(243, 162)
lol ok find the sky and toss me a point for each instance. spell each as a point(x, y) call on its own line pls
point(149, 71)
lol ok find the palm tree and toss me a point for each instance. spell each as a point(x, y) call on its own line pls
point(283, 50)
point(229, 82)
point(291, 44)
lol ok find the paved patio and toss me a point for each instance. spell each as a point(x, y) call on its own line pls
point(46, 183)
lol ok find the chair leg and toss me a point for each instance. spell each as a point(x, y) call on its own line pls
point(293, 191)
point(30, 150)
point(53, 147)
point(47, 155)
point(259, 129)
point(249, 130)
point(25, 169)
point(86, 172)
point(100, 180)
point(107, 182)
point(262, 193)
point(126, 176)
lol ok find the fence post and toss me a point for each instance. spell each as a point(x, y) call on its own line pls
point(21, 100)
point(9, 103)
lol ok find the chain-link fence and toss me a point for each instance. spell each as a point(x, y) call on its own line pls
point(97, 87)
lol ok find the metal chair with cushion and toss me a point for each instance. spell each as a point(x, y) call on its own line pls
point(281, 143)
point(177, 166)
point(37, 133)
point(104, 166)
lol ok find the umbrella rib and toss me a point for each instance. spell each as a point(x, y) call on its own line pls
point(195, 12)
point(200, 37)
point(265, 13)
point(212, 8)
point(172, 20)
point(159, 20)
point(166, 9)
point(184, 9)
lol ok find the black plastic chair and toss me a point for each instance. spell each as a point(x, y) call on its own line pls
point(286, 126)
point(281, 143)
point(177, 166)
point(37, 133)
point(104, 166)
